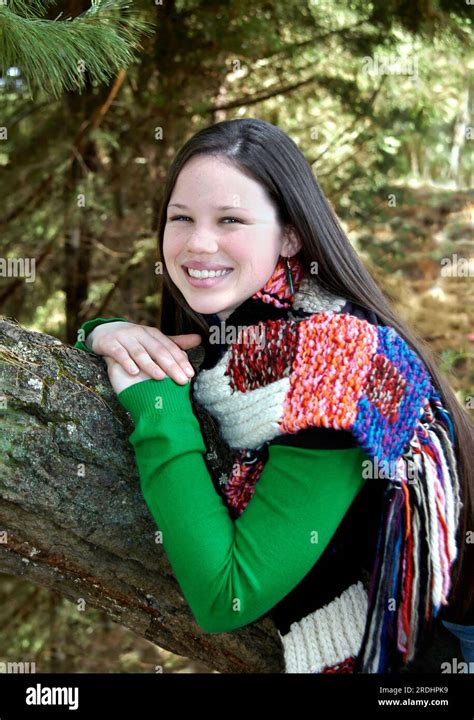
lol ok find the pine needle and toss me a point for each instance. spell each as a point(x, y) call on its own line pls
point(55, 56)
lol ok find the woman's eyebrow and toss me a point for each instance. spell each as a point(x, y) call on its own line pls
point(221, 207)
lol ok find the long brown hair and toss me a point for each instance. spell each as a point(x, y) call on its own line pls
point(266, 153)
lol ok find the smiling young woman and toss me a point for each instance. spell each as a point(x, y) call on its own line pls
point(355, 568)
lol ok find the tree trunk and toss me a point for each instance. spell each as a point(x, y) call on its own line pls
point(72, 517)
point(459, 138)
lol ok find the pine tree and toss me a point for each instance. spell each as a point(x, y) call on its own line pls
point(56, 55)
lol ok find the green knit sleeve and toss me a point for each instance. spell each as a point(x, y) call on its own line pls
point(232, 572)
point(88, 327)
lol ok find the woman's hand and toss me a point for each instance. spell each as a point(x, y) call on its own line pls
point(119, 378)
point(143, 352)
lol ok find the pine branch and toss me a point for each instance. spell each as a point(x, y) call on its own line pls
point(55, 56)
point(30, 8)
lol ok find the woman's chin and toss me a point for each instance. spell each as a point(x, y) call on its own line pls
point(208, 308)
point(204, 309)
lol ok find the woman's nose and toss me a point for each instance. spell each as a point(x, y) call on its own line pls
point(202, 241)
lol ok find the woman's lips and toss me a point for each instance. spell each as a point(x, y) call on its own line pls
point(205, 282)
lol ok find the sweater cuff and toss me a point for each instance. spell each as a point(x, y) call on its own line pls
point(157, 398)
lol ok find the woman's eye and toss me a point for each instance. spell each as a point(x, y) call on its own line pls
point(179, 217)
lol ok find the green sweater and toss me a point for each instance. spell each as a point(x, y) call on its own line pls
point(232, 572)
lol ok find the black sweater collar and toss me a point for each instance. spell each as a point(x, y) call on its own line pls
point(249, 312)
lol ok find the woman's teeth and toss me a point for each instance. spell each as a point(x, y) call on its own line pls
point(206, 273)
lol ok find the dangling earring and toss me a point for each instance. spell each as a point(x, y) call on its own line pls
point(280, 287)
point(289, 276)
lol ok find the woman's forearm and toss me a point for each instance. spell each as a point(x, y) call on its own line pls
point(232, 572)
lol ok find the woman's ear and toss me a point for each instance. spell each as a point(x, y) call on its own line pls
point(291, 243)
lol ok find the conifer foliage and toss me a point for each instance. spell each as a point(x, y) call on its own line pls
point(57, 55)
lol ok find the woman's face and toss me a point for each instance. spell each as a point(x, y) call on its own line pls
point(244, 237)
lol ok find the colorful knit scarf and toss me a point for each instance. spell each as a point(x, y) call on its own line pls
point(322, 367)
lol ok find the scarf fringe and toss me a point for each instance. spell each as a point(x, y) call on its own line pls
point(416, 546)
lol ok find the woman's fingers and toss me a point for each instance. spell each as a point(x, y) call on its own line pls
point(179, 355)
point(187, 341)
point(145, 348)
point(117, 351)
point(158, 366)
point(156, 360)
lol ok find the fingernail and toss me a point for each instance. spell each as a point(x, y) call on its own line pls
point(189, 371)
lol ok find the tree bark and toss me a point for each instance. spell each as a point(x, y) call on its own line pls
point(72, 517)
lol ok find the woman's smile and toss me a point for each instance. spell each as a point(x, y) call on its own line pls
point(205, 282)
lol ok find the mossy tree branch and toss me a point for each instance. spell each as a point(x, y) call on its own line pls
point(72, 517)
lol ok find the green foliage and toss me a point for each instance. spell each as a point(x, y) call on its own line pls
point(450, 359)
point(55, 56)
